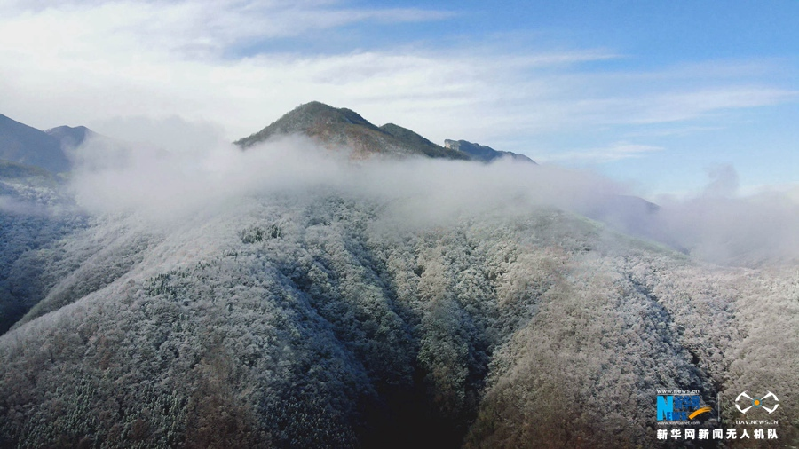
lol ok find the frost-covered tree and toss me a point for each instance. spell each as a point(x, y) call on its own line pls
point(325, 320)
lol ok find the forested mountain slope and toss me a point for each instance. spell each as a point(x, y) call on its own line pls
point(325, 318)
point(35, 211)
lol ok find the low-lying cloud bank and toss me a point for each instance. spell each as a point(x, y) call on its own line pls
point(716, 225)
point(745, 230)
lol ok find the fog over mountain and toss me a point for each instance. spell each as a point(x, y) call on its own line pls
point(164, 182)
point(329, 283)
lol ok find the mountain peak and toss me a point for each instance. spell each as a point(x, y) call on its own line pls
point(309, 119)
point(320, 112)
point(341, 127)
point(70, 137)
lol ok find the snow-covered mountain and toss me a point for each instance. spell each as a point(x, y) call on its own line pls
point(372, 311)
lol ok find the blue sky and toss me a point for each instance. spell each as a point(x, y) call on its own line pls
point(653, 94)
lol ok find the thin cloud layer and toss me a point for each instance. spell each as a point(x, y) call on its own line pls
point(186, 28)
point(621, 150)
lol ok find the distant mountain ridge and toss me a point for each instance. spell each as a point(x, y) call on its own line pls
point(28, 146)
point(483, 153)
point(25, 145)
point(332, 127)
point(344, 127)
point(70, 137)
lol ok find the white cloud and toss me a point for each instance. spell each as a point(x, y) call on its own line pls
point(164, 183)
point(168, 186)
point(724, 226)
point(88, 62)
point(180, 28)
point(680, 106)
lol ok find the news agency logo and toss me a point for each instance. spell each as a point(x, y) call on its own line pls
point(756, 402)
point(682, 407)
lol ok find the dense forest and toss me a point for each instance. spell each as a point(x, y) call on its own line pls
point(291, 293)
point(326, 318)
